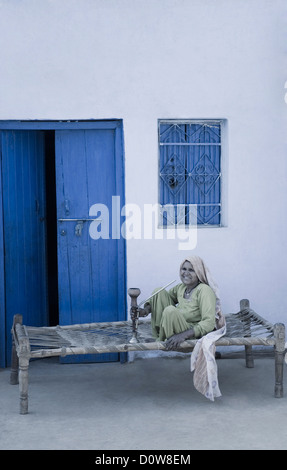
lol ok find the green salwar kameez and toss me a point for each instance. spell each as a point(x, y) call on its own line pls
point(171, 313)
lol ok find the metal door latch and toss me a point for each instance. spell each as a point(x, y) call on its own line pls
point(79, 225)
point(79, 228)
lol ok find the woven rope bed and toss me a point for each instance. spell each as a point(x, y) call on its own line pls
point(245, 328)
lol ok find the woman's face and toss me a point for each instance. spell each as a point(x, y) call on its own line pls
point(188, 276)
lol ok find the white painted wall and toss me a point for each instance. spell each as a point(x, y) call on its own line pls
point(141, 60)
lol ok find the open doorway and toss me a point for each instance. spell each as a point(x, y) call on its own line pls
point(51, 228)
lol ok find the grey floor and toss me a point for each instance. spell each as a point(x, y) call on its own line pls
point(148, 404)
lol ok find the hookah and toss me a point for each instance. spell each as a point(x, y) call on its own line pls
point(134, 292)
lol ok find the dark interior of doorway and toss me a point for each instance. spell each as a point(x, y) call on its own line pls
point(51, 224)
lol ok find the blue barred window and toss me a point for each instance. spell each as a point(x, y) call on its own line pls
point(190, 172)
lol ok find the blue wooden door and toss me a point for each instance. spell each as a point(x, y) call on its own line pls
point(91, 273)
point(23, 181)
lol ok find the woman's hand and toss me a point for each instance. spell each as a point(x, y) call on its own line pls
point(174, 341)
point(141, 312)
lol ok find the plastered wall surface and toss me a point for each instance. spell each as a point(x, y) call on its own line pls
point(144, 60)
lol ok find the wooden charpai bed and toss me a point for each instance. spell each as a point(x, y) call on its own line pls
point(244, 328)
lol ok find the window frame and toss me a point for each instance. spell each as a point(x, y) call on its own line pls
point(223, 172)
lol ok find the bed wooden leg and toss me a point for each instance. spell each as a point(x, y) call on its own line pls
point(14, 357)
point(23, 384)
point(279, 334)
point(24, 354)
point(14, 366)
point(249, 360)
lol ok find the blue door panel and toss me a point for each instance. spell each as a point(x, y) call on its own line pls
point(91, 272)
point(24, 209)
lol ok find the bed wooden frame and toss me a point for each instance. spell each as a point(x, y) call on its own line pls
point(49, 342)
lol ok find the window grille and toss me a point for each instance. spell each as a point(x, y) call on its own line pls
point(190, 172)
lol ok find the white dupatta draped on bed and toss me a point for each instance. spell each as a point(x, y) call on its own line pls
point(203, 361)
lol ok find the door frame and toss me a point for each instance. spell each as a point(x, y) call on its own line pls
point(113, 124)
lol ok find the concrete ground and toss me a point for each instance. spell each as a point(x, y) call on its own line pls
point(148, 404)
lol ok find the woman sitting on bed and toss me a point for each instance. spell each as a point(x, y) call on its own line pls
point(188, 310)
